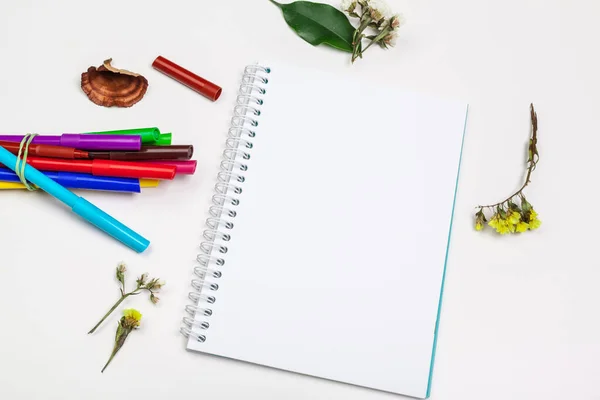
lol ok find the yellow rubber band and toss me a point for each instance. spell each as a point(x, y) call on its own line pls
point(22, 162)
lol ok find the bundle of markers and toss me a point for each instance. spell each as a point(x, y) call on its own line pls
point(117, 161)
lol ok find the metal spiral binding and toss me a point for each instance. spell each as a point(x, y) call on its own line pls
point(226, 198)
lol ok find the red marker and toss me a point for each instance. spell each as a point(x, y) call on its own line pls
point(188, 78)
point(46, 150)
point(121, 169)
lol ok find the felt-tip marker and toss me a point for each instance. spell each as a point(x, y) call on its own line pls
point(184, 152)
point(85, 142)
point(121, 169)
point(79, 205)
point(46, 150)
point(144, 184)
point(83, 181)
point(148, 135)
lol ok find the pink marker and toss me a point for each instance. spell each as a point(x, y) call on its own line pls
point(184, 167)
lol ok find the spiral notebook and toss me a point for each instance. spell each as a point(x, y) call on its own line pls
point(325, 250)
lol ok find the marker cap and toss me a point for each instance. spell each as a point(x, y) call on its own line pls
point(187, 78)
point(101, 142)
point(84, 142)
point(108, 224)
point(149, 183)
point(133, 169)
point(44, 150)
point(184, 167)
point(147, 153)
point(148, 135)
point(163, 140)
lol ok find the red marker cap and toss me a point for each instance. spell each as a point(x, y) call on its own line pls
point(188, 78)
point(121, 169)
point(45, 150)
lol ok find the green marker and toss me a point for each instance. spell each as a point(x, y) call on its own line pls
point(149, 135)
point(163, 140)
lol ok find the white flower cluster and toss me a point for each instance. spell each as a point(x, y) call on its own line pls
point(395, 22)
point(348, 5)
point(379, 8)
point(374, 15)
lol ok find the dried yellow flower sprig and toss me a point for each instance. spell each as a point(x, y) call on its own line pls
point(144, 283)
point(515, 214)
point(129, 321)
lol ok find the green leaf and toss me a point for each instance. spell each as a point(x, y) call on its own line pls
point(319, 24)
point(525, 205)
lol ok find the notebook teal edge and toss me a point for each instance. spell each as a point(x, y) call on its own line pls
point(437, 322)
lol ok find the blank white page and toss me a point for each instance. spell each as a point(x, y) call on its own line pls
point(337, 254)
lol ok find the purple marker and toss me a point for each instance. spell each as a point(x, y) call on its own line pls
point(85, 142)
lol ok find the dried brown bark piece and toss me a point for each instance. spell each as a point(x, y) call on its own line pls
point(108, 86)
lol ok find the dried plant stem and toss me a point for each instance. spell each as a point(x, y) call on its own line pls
point(532, 161)
point(379, 37)
point(109, 312)
point(118, 344)
point(518, 192)
point(152, 286)
point(365, 20)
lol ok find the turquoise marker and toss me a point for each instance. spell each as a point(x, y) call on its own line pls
point(79, 205)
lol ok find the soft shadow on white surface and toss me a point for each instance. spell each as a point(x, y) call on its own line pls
point(518, 314)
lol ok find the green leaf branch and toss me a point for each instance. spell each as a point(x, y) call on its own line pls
point(319, 23)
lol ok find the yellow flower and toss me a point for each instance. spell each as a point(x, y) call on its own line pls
point(132, 317)
point(534, 223)
point(533, 214)
point(132, 313)
point(130, 320)
point(501, 225)
point(494, 221)
point(479, 220)
point(522, 227)
point(514, 217)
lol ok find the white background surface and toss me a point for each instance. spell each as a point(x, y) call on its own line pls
point(519, 319)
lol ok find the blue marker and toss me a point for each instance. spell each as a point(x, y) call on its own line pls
point(83, 181)
point(79, 205)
